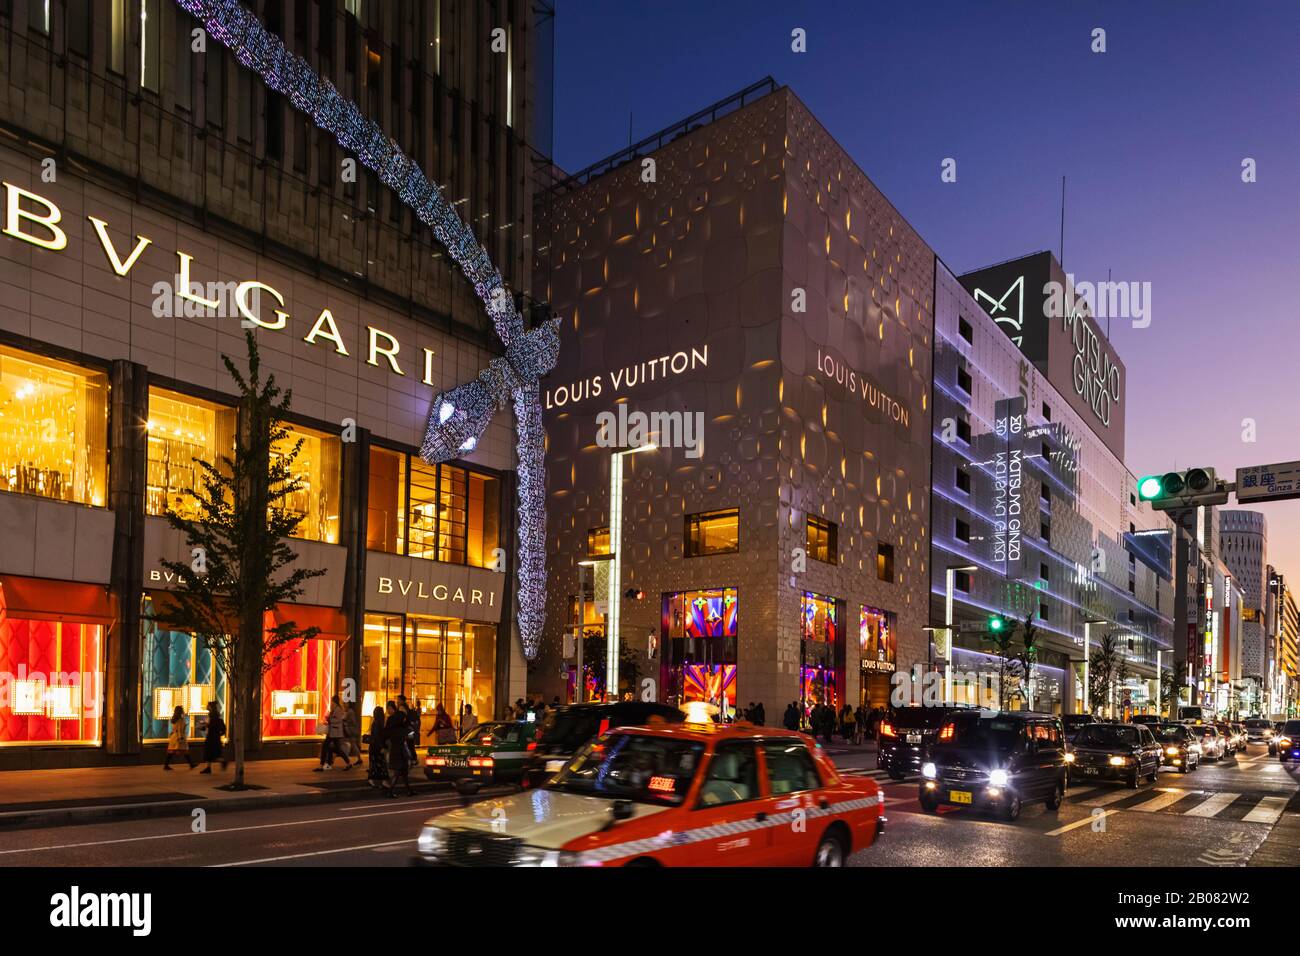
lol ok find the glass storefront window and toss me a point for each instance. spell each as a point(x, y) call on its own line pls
point(714, 532)
point(53, 429)
point(822, 651)
point(296, 691)
point(177, 669)
point(455, 514)
point(182, 429)
point(699, 630)
point(386, 502)
point(877, 640)
point(55, 682)
point(317, 470)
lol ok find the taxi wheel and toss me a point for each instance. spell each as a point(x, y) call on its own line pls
point(1134, 781)
point(1155, 773)
point(830, 852)
point(929, 804)
point(1054, 801)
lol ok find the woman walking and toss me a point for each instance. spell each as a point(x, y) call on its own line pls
point(212, 742)
point(178, 742)
point(377, 772)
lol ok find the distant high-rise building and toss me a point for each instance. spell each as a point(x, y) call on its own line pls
point(1243, 545)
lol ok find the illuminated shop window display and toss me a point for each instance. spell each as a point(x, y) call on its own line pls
point(432, 661)
point(593, 656)
point(177, 669)
point(821, 651)
point(316, 501)
point(182, 429)
point(436, 512)
point(699, 631)
point(53, 429)
point(878, 643)
point(296, 691)
point(54, 673)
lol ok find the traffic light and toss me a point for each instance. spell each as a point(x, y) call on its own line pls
point(1183, 489)
point(997, 623)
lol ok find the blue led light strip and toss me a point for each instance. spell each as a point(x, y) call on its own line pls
point(458, 417)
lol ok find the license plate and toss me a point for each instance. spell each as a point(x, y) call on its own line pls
point(913, 738)
point(554, 766)
point(1092, 771)
point(457, 762)
point(959, 796)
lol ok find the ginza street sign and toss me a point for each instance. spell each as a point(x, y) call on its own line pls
point(1268, 482)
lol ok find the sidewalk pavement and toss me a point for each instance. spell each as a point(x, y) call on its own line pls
point(32, 798)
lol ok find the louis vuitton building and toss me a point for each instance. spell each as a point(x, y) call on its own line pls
point(156, 196)
point(738, 431)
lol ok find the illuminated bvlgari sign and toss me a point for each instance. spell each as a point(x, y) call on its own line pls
point(34, 219)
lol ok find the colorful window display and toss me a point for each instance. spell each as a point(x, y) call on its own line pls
point(822, 651)
point(877, 640)
point(53, 428)
point(51, 663)
point(176, 669)
point(317, 469)
point(296, 691)
point(698, 660)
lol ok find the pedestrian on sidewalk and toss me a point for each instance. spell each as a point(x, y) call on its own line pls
point(178, 742)
point(212, 742)
point(377, 772)
point(352, 733)
point(399, 765)
point(443, 731)
point(859, 724)
point(848, 724)
point(333, 742)
point(467, 720)
point(760, 715)
point(411, 716)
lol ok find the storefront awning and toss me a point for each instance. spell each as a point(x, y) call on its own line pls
point(333, 623)
point(39, 599)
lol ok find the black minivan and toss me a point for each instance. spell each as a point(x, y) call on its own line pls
point(995, 761)
point(905, 735)
point(568, 728)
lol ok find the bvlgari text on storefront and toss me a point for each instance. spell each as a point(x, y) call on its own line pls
point(440, 592)
point(629, 376)
point(39, 226)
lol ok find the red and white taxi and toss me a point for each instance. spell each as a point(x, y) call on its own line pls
point(672, 795)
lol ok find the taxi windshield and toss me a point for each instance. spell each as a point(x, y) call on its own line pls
point(632, 767)
point(1106, 735)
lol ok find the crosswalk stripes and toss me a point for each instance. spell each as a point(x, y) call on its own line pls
point(1114, 796)
point(1213, 806)
point(1267, 810)
point(1166, 799)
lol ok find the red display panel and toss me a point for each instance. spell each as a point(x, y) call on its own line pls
point(54, 682)
point(296, 692)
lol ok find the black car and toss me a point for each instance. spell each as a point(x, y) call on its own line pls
point(1125, 752)
point(568, 728)
point(1288, 741)
point(1260, 731)
point(1179, 747)
point(1151, 720)
point(1073, 723)
point(905, 736)
point(995, 761)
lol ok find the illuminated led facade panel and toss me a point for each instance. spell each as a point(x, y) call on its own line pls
point(458, 417)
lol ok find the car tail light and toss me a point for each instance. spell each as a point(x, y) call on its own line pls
point(532, 745)
point(480, 761)
point(949, 731)
point(604, 726)
point(887, 729)
point(436, 762)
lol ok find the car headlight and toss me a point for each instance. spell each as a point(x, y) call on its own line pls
point(928, 771)
point(1069, 758)
point(1118, 761)
point(1284, 741)
point(999, 778)
point(1171, 751)
point(432, 841)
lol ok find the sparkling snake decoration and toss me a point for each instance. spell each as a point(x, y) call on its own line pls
point(457, 417)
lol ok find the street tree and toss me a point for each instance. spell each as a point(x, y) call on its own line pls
point(1026, 658)
point(240, 567)
point(1102, 667)
point(1171, 681)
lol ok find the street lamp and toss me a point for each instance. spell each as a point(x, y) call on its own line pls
point(1087, 655)
point(580, 690)
point(944, 652)
point(614, 589)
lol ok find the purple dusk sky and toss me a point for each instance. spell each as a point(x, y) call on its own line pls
point(1150, 135)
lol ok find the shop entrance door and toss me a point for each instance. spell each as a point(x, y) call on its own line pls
point(381, 663)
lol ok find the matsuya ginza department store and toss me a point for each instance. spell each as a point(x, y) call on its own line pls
point(105, 402)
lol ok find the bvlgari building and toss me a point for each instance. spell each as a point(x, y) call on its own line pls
point(158, 199)
point(738, 430)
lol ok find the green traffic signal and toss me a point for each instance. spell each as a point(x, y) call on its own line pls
point(996, 623)
point(1150, 488)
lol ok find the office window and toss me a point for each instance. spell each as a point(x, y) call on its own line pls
point(386, 502)
point(244, 106)
point(885, 561)
point(80, 22)
point(214, 84)
point(1047, 412)
point(53, 429)
point(184, 60)
point(117, 36)
point(1044, 572)
point(962, 477)
point(962, 531)
point(965, 331)
point(963, 430)
point(316, 468)
point(1045, 493)
point(182, 432)
point(963, 380)
point(598, 542)
point(150, 44)
point(454, 515)
point(961, 581)
point(38, 12)
point(1045, 531)
point(1042, 612)
point(713, 532)
point(823, 540)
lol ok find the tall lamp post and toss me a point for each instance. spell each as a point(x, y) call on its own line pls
point(943, 652)
point(1087, 659)
point(614, 589)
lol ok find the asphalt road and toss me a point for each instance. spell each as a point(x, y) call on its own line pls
point(1220, 815)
